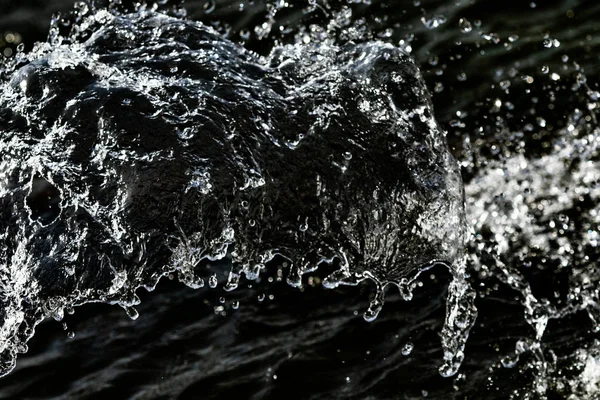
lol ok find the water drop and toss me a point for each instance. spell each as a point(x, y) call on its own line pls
point(510, 361)
point(212, 281)
point(245, 34)
point(434, 21)
point(491, 37)
point(376, 305)
point(132, 313)
point(465, 25)
point(232, 281)
point(209, 6)
point(407, 348)
point(219, 310)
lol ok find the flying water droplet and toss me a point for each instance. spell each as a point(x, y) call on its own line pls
point(407, 348)
point(209, 6)
point(433, 22)
point(131, 313)
point(465, 25)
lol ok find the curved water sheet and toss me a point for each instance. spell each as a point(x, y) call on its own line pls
point(159, 144)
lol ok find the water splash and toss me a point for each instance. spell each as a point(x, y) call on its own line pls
point(170, 146)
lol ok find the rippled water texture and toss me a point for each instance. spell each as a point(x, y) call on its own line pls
point(245, 151)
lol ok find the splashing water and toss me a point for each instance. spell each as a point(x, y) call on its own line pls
point(140, 145)
point(164, 145)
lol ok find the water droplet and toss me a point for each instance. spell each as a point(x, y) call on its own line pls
point(407, 348)
point(245, 34)
point(376, 305)
point(505, 84)
point(510, 361)
point(209, 6)
point(212, 281)
point(491, 37)
point(465, 25)
point(132, 313)
point(549, 43)
point(219, 310)
point(433, 22)
point(232, 281)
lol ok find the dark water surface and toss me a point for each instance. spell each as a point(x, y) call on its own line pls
point(514, 84)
